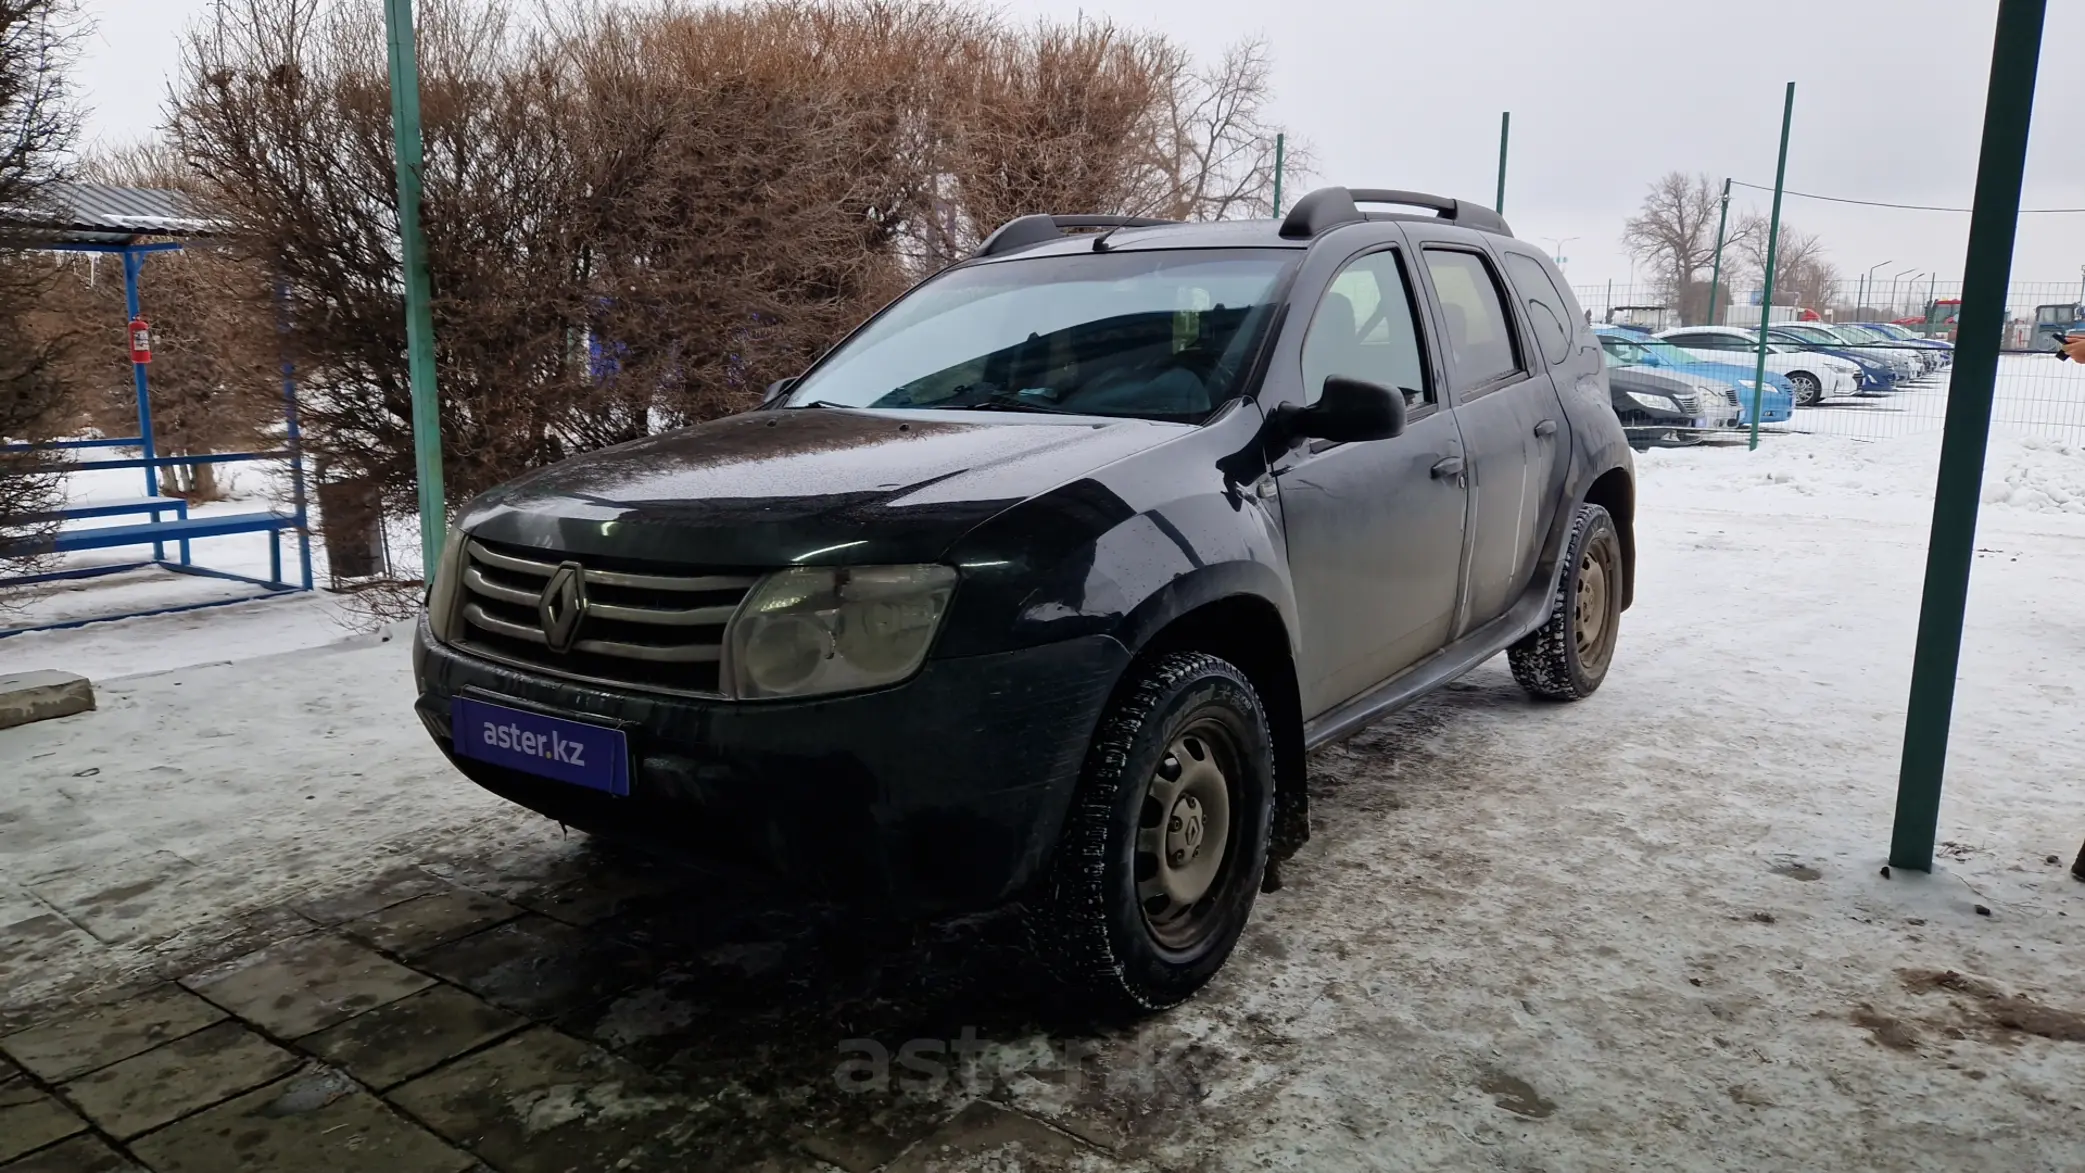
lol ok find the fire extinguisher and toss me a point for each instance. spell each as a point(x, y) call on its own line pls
point(140, 341)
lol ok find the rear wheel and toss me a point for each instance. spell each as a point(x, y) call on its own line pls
point(1567, 657)
point(1164, 847)
point(1808, 391)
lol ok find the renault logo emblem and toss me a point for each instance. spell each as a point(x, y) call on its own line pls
point(562, 606)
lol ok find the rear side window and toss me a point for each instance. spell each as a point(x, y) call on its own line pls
point(1480, 338)
point(1545, 306)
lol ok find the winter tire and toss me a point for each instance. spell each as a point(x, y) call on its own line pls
point(1166, 839)
point(1567, 657)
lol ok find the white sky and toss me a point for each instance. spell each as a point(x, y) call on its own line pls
point(1605, 97)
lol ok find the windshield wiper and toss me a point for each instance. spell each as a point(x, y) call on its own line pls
point(825, 403)
point(1013, 403)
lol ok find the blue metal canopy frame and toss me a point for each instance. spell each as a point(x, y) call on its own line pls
point(182, 529)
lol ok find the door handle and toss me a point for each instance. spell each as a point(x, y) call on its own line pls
point(1448, 467)
point(1546, 428)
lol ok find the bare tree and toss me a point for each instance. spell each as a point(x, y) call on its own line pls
point(639, 216)
point(37, 127)
point(1216, 147)
point(1674, 234)
point(1802, 275)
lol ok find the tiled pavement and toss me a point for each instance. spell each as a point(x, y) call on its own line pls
point(615, 1016)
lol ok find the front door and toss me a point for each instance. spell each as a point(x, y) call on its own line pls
point(1375, 530)
point(1511, 422)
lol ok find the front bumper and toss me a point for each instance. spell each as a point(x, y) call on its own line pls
point(942, 794)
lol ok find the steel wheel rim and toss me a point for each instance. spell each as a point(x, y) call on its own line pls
point(1184, 826)
point(1591, 626)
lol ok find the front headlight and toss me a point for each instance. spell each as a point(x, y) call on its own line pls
point(441, 593)
point(814, 630)
point(1655, 402)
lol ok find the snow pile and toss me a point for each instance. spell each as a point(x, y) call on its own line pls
point(2035, 474)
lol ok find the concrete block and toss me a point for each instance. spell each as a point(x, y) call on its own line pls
point(42, 695)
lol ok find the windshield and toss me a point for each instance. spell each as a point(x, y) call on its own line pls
point(1650, 352)
point(1621, 353)
point(1898, 333)
point(1863, 335)
point(1161, 335)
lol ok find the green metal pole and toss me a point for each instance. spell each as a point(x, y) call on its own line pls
point(1716, 271)
point(2008, 107)
point(1773, 243)
point(1280, 141)
point(419, 311)
point(1505, 133)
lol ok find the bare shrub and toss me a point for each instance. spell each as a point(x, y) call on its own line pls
point(37, 127)
point(637, 218)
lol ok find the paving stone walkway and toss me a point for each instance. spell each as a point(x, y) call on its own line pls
point(615, 1014)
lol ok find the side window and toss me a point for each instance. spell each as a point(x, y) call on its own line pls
point(1480, 338)
point(1548, 302)
point(1364, 329)
point(1545, 307)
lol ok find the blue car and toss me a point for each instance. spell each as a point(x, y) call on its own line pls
point(1878, 377)
point(1634, 347)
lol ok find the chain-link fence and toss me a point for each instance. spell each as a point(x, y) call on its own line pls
point(1860, 359)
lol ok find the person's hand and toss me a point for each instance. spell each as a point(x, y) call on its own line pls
point(2074, 347)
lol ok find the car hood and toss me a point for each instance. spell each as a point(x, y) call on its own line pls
point(1660, 381)
point(806, 486)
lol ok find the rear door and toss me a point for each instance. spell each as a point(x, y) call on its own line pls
point(1512, 422)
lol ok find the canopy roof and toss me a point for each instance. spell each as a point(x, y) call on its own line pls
point(101, 214)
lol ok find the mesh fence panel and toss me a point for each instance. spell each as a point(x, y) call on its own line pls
point(1870, 349)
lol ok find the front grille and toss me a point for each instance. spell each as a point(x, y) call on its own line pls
point(1730, 393)
point(642, 628)
point(1688, 401)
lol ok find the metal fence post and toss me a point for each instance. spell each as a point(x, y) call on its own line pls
point(1280, 141)
point(2008, 108)
point(133, 266)
point(1773, 242)
point(1716, 270)
point(419, 312)
point(1505, 133)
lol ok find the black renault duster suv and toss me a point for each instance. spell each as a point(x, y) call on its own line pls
point(1039, 586)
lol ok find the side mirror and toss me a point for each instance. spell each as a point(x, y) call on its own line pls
point(777, 389)
point(1347, 411)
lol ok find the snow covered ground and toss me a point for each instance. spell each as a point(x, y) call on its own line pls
point(1648, 930)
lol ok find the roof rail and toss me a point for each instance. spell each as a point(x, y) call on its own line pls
point(1330, 207)
point(1024, 231)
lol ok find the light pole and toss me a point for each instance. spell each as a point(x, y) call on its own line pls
point(1868, 283)
point(1893, 287)
point(1556, 252)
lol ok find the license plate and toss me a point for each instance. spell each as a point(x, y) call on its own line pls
point(569, 751)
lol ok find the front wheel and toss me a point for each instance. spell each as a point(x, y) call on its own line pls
point(1166, 840)
point(1567, 657)
point(1808, 391)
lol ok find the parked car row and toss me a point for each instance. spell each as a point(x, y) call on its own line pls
point(1675, 385)
point(1664, 394)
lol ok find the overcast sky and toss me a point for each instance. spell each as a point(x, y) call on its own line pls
point(1605, 97)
